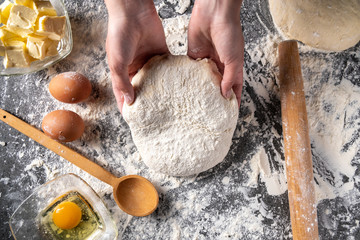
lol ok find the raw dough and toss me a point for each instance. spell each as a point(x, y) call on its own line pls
point(180, 122)
point(325, 24)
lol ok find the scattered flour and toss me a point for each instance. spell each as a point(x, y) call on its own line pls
point(225, 180)
point(4, 180)
point(326, 130)
point(275, 182)
point(333, 119)
point(180, 5)
point(333, 111)
point(176, 33)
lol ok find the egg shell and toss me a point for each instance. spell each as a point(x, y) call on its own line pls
point(63, 125)
point(70, 87)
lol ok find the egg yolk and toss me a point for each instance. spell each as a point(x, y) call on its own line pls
point(67, 215)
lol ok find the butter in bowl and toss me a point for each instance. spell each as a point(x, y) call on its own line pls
point(34, 34)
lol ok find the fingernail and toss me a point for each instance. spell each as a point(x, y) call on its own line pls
point(228, 94)
point(128, 98)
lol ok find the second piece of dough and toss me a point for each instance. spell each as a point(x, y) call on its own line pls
point(332, 25)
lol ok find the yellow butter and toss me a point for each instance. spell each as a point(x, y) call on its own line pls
point(52, 26)
point(52, 48)
point(44, 8)
point(35, 37)
point(27, 3)
point(2, 49)
point(5, 11)
point(36, 46)
point(31, 31)
point(16, 55)
point(21, 20)
point(16, 44)
point(6, 36)
point(40, 47)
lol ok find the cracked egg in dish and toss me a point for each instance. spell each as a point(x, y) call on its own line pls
point(64, 208)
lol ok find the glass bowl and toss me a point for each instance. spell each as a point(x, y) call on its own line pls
point(25, 221)
point(64, 48)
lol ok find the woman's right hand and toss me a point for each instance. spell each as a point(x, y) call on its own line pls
point(215, 32)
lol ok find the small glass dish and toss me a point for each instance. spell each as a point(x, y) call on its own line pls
point(64, 48)
point(25, 221)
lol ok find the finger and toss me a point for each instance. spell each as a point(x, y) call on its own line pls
point(122, 87)
point(120, 102)
point(238, 85)
point(232, 78)
point(119, 96)
point(237, 88)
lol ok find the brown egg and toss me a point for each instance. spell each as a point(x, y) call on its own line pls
point(70, 87)
point(63, 125)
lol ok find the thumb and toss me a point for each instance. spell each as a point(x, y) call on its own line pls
point(122, 88)
point(232, 79)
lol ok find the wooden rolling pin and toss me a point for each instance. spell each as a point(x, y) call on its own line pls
point(299, 169)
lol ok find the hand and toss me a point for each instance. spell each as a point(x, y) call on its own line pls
point(135, 34)
point(215, 32)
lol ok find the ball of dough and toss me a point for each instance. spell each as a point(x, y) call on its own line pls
point(180, 122)
point(332, 25)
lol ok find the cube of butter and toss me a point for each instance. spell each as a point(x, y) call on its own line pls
point(5, 8)
point(6, 36)
point(27, 3)
point(21, 20)
point(2, 49)
point(52, 26)
point(16, 55)
point(40, 47)
point(44, 7)
point(52, 48)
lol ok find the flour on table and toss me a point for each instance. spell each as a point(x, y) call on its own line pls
point(4, 180)
point(275, 182)
point(332, 108)
point(245, 211)
point(176, 34)
point(180, 5)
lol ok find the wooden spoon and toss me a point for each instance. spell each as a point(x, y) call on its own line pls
point(134, 194)
point(299, 169)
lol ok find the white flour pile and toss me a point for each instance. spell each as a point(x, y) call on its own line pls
point(333, 117)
